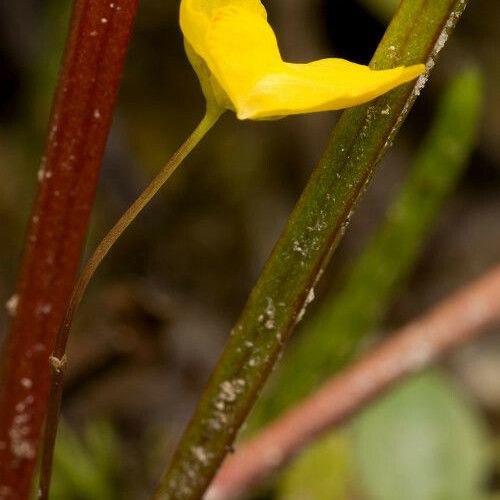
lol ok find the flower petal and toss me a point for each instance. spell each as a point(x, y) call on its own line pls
point(240, 49)
point(196, 15)
point(323, 85)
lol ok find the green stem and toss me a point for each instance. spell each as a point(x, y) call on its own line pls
point(58, 357)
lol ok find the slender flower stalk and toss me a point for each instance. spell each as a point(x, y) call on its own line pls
point(58, 357)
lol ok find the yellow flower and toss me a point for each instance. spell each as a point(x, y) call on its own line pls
point(234, 51)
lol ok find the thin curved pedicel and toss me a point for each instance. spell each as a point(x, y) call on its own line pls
point(236, 56)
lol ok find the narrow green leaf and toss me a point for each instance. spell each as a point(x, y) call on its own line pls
point(331, 338)
point(360, 139)
point(85, 470)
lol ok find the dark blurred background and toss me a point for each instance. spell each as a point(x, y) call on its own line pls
point(157, 315)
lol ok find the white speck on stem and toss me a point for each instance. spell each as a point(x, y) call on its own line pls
point(310, 297)
point(43, 309)
point(269, 314)
point(104, 20)
point(93, 33)
point(200, 454)
point(97, 114)
point(11, 305)
point(386, 110)
point(27, 383)
point(299, 249)
point(20, 446)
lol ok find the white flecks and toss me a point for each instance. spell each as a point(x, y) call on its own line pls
point(93, 33)
point(269, 324)
point(248, 343)
point(104, 20)
point(218, 421)
point(230, 390)
point(392, 48)
point(220, 405)
point(38, 347)
point(27, 383)
point(200, 454)
point(300, 316)
point(310, 297)
point(252, 362)
point(43, 308)
point(27, 401)
point(97, 114)
point(442, 39)
point(112, 5)
point(386, 110)
point(297, 247)
point(11, 305)
point(53, 131)
point(20, 445)
point(43, 174)
point(269, 314)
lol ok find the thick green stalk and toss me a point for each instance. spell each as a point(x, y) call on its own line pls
point(360, 139)
point(332, 336)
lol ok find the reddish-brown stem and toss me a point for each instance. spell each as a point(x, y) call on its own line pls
point(81, 116)
point(451, 323)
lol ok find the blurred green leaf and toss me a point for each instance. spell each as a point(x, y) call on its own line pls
point(85, 470)
point(421, 442)
point(323, 472)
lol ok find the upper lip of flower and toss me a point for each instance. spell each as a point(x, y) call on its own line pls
point(239, 48)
